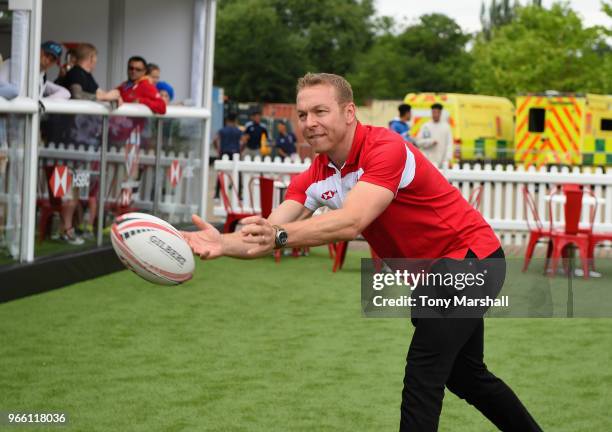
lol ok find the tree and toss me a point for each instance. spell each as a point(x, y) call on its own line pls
point(497, 15)
point(263, 46)
point(330, 31)
point(256, 57)
point(427, 56)
point(542, 49)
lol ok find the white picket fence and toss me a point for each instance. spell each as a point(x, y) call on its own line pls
point(502, 202)
point(176, 204)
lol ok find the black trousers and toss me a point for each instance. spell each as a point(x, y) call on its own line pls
point(449, 352)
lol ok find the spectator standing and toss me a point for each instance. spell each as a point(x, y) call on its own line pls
point(253, 135)
point(87, 129)
point(80, 81)
point(138, 87)
point(228, 141)
point(401, 124)
point(285, 141)
point(435, 138)
point(50, 53)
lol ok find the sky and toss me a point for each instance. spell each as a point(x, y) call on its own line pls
point(467, 12)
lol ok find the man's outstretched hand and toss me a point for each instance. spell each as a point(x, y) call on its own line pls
point(206, 243)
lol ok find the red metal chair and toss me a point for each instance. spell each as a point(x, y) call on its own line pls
point(340, 255)
point(47, 207)
point(233, 215)
point(475, 197)
point(266, 196)
point(571, 235)
point(594, 237)
point(536, 233)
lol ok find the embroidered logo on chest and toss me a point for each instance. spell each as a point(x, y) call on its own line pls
point(328, 194)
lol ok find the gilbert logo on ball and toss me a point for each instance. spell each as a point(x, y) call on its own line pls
point(152, 248)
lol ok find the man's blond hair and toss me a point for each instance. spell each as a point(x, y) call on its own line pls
point(344, 92)
point(84, 51)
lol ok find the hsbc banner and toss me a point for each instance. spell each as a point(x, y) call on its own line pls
point(63, 179)
point(60, 181)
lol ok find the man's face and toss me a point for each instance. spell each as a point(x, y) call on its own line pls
point(46, 61)
point(155, 75)
point(136, 70)
point(281, 128)
point(435, 114)
point(407, 116)
point(256, 118)
point(321, 119)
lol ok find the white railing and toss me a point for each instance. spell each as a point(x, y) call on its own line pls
point(54, 106)
point(502, 202)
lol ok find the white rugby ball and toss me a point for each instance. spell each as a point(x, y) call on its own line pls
point(152, 248)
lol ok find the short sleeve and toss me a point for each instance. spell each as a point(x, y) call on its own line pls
point(388, 163)
point(298, 189)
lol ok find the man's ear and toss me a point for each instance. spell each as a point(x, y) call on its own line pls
point(350, 111)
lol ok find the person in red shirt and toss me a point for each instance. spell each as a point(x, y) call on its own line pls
point(138, 87)
point(383, 187)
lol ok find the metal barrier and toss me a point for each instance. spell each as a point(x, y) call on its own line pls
point(111, 160)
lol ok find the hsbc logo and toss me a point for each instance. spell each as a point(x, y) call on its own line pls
point(328, 195)
point(60, 181)
point(175, 173)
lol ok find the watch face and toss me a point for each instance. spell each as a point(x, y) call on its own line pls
point(282, 238)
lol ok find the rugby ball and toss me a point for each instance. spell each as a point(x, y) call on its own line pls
point(152, 248)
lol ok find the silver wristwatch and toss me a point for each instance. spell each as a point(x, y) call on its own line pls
point(280, 237)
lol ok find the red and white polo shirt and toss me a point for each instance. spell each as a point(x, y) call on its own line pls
point(428, 218)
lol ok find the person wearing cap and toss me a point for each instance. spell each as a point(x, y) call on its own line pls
point(50, 53)
point(435, 138)
point(285, 141)
point(165, 91)
point(253, 135)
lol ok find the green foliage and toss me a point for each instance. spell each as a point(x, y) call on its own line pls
point(331, 31)
point(256, 56)
point(427, 56)
point(497, 15)
point(542, 49)
point(263, 46)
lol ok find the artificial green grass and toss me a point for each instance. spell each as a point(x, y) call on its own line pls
point(259, 346)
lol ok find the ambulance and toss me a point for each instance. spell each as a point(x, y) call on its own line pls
point(483, 128)
point(563, 129)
